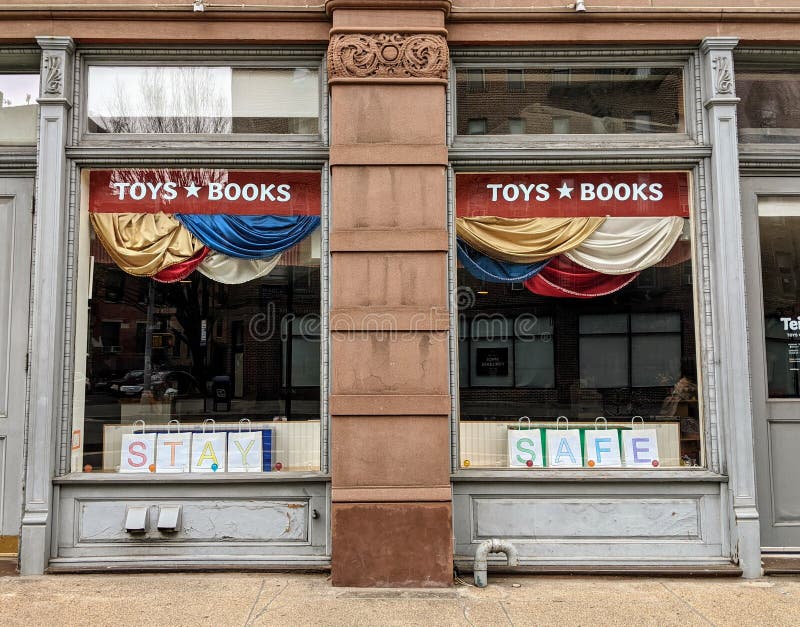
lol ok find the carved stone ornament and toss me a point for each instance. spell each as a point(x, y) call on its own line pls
point(387, 55)
point(723, 79)
point(54, 76)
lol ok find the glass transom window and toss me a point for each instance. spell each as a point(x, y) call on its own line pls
point(18, 108)
point(563, 101)
point(202, 100)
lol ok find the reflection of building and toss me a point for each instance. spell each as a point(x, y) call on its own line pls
point(574, 101)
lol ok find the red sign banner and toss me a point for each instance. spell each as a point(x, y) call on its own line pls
point(207, 191)
point(572, 194)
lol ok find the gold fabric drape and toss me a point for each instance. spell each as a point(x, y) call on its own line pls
point(143, 244)
point(525, 240)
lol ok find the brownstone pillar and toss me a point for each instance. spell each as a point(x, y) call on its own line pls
point(392, 521)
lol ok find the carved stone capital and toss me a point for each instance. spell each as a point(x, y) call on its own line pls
point(723, 75)
point(56, 68)
point(387, 56)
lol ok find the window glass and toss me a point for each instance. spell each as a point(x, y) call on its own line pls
point(570, 100)
point(592, 331)
point(779, 229)
point(18, 108)
point(214, 344)
point(767, 111)
point(201, 99)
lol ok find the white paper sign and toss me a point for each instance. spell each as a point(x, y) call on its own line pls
point(564, 448)
point(208, 452)
point(525, 448)
point(602, 448)
point(640, 448)
point(244, 451)
point(172, 452)
point(138, 452)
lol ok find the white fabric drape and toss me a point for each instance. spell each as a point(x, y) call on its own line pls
point(232, 271)
point(625, 245)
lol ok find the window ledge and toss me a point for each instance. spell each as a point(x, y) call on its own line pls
point(583, 475)
point(207, 478)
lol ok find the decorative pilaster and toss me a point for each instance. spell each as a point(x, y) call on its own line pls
point(732, 362)
point(47, 313)
point(390, 403)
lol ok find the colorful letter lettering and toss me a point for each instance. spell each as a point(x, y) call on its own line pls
point(208, 453)
point(141, 454)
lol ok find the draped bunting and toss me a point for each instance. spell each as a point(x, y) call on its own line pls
point(493, 271)
point(232, 271)
point(180, 271)
point(563, 278)
point(144, 244)
point(625, 245)
point(526, 240)
point(249, 236)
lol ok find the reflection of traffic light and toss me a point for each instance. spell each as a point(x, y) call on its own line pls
point(163, 340)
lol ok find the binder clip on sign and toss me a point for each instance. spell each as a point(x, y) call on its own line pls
point(564, 446)
point(172, 449)
point(245, 452)
point(525, 448)
point(138, 450)
point(208, 449)
point(602, 446)
point(640, 446)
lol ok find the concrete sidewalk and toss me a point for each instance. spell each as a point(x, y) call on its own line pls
point(299, 599)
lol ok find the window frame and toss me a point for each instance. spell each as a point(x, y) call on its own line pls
point(568, 60)
point(754, 59)
point(237, 152)
point(255, 60)
point(639, 152)
point(21, 60)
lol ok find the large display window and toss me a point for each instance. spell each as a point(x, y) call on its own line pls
point(576, 318)
point(201, 322)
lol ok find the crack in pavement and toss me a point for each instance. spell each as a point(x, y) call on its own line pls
point(691, 607)
point(274, 596)
point(255, 602)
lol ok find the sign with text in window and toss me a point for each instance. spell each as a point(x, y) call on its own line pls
point(640, 448)
point(564, 448)
point(525, 448)
point(205, 191)
point(491, 362)
point(138, 453)
point(572, 194)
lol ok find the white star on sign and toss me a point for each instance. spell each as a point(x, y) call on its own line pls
point(192, 190)
point(565, 190)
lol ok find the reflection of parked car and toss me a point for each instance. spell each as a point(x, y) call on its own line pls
point(132, 384)
point(129, 379)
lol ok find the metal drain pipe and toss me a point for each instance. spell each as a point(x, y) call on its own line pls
point(480, 569)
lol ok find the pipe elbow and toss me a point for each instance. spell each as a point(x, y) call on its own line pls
point(504, 546)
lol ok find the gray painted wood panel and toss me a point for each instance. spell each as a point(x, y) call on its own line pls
point(200, 521)
point(16, 207)
point(776, 423)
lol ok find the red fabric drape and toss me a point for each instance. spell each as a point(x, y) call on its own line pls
point(180, 271)
point(563, 278)
point(681, 252)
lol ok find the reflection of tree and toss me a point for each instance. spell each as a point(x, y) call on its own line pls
point(158, 101)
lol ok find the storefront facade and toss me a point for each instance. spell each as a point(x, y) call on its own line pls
point(364, 286)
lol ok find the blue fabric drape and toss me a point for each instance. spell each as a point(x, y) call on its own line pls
point(492, 270)
point(249, 237)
